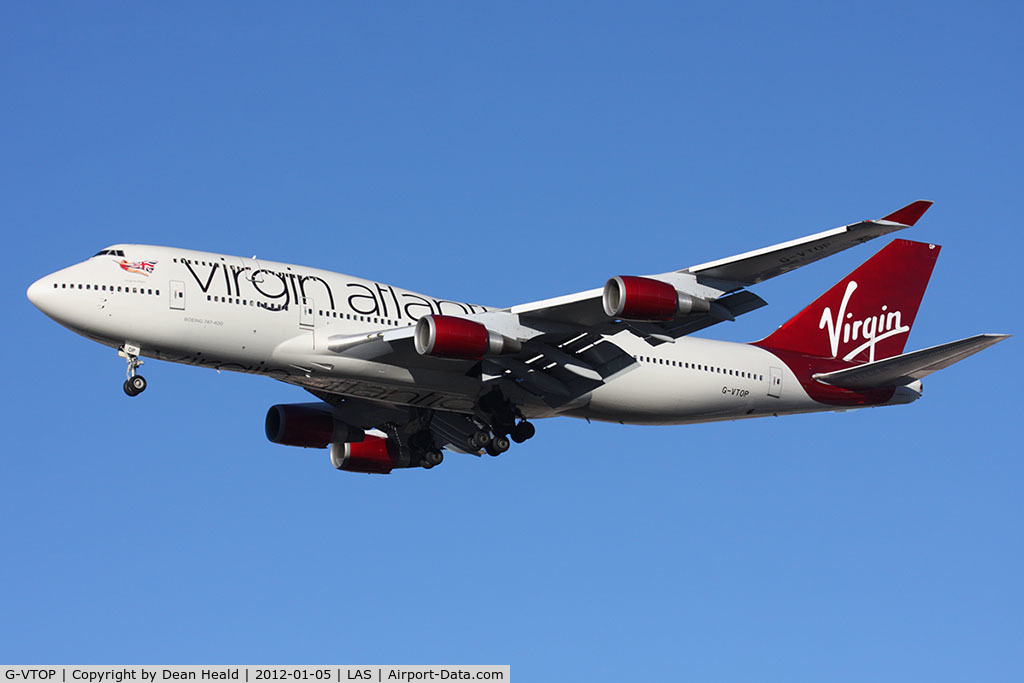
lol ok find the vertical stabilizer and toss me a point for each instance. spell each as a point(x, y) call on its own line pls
point(867, 316)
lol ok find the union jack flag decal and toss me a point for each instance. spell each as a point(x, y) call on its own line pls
point(140, 267)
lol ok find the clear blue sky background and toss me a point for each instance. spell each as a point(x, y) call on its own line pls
point(503, 153)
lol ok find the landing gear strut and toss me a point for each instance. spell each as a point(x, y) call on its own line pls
point(135, 384)
point(422, 449)
point(501, 416)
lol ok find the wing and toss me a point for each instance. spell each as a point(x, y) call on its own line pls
point(567, 343)
point(759, 265)
point(724, 276)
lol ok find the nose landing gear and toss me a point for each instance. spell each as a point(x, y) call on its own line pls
point(135, 384)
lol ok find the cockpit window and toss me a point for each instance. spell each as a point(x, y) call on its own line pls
point(109, 252)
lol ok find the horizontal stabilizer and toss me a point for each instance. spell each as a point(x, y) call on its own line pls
point(903, 369)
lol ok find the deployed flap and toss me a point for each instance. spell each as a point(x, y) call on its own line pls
point(559, 368)
point(904, 369)
point(762, 264)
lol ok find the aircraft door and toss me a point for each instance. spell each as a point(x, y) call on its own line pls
point(775, 382)
point(177, 295)
point(307, 313)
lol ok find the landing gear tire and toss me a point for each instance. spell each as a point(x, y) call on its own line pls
point(133, 386)
point(498, 445)
point(432, 459)
point(479, 439)
point(523, 431)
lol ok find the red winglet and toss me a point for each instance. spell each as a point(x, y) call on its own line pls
point(910, 213)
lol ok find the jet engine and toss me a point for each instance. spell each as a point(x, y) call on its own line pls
point(308, 426)
point(372, 455)
point(445, 336)
point(643, 299)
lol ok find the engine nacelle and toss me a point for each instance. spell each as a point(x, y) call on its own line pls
point(445, 336)
point(643, 299)
point(372, 455)
point(308, 426)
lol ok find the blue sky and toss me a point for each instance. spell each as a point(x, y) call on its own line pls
point(505, 153)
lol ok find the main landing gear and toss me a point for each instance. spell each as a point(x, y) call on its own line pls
point(501, 416)
point(135, 384)
point(422, 449)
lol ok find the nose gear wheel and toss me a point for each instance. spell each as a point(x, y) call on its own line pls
point(135, 384)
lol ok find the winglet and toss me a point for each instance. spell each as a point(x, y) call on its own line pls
point(909, 214)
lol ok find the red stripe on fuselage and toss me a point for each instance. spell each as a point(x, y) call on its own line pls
point(805, 367)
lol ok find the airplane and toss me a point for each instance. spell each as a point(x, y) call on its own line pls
point(401, 376)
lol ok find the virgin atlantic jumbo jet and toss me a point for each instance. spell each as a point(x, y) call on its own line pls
point(400, 376)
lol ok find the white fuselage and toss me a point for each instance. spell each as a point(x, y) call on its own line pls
point(275, 319)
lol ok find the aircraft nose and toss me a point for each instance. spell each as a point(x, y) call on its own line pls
point(39, 292)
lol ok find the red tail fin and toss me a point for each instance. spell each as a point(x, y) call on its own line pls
point(868, 315)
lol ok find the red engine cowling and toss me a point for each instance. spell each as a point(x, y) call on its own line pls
point(372, 455)
point(308, 426)
point(445, 336)
point(643, 299)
